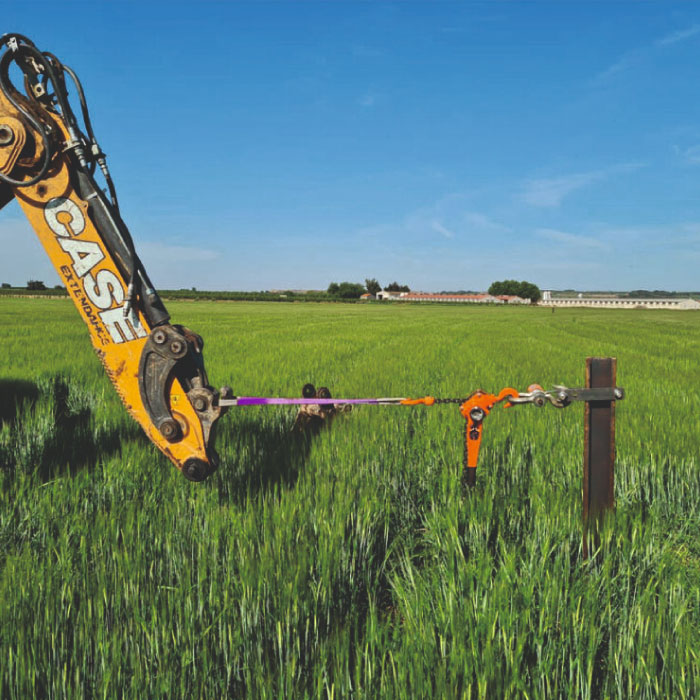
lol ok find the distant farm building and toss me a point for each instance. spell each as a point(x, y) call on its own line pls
point(510, 299)
point(619, 303)
point(451, 298)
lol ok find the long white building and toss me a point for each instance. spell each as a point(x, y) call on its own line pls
point(451, 298)
point(617, 303)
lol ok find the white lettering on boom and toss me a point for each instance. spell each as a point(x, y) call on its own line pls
point(122, 329)
point(85, 254)
point(102, 288)
point(64, 217)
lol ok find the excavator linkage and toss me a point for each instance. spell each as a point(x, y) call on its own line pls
point(48, 163)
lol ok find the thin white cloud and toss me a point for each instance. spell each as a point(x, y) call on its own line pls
point(550, 192)
point(692, 228)
point(440, 228)
point(163, 261)
point(450, 216)
point(635, 56)
point(676, 236)
point(570, 239)
point(484, 223)
point(689, 155)
point(678, 36)
point(625, 62)
point(367, 100)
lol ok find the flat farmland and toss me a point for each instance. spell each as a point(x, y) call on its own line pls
point(351, 564)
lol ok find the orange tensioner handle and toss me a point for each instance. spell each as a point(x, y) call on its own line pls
point(426, 400)
point(474, 410)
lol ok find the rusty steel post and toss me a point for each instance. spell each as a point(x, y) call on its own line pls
point(598, 449)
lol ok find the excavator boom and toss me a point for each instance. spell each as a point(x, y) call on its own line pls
point(48, 162)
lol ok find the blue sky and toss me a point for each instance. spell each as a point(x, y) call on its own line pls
point(442, 145)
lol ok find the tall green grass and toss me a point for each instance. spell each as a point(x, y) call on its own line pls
point(352, 565)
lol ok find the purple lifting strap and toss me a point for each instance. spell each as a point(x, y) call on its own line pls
point(262, 401)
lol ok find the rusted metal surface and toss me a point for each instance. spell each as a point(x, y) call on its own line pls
point(311, 418)
point(599, 449)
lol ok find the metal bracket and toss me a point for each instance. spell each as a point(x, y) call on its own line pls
point(591, 394)
point(163, 350)
point(562, 396)
point(174, 351)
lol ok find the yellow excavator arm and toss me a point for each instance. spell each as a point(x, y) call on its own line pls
point(48, 162)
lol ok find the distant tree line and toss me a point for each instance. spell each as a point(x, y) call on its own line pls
point(458, 291)
point(656, 294)
point(284, 296)
point(524, 290)
point(6, 289)
point(634, 294)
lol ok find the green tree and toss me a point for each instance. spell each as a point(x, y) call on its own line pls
point(346, 290)
point(524, 290)
point(530, 291)
point(396, 287)
point(35, 284)
point(350, 290)
point(372, 286)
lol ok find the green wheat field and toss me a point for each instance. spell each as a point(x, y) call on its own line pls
point(351, 565)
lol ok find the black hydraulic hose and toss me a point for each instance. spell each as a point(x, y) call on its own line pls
point(97, 151)
point(61, 97)
point(83, 102)
point(28, 48)
point(97, 156)
point(100, 157)
point(13, 35)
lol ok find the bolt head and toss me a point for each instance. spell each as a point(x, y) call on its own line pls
point(195, 469)
point(226, 392)
point(159, 337)
point(176, 347)
point(618, 393)
point(308, 391)
point(200, 404)
point(169, 429)
point(477, 414)
point(7, 136)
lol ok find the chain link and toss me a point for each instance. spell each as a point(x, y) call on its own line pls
point(466, 452)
